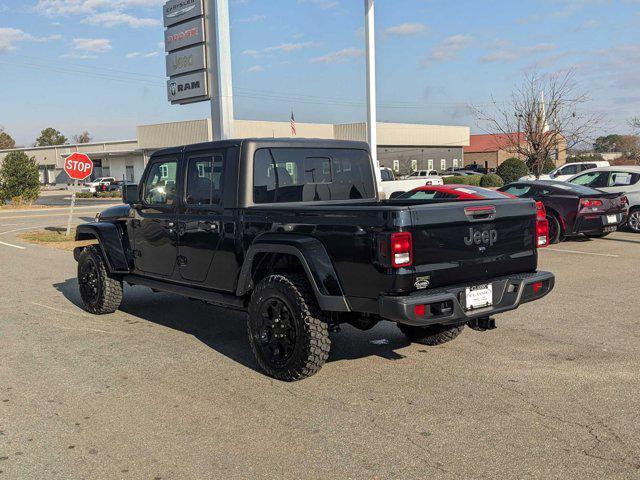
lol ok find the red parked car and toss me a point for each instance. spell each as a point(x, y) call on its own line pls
point(452, 192)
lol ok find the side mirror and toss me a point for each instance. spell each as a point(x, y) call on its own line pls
point(130, 194)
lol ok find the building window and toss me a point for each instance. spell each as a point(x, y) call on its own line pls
point(414, 165)
point(443, 164)
point(430, 164)
point(396, 166)
point(455, 163)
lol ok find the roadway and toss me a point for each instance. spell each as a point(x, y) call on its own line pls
point(167, 388)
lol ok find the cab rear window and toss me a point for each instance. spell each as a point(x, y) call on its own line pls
point(283, 175)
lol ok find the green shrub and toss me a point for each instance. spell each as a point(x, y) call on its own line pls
point(548, 166)
point(491, 180)
point(512, 169)
point(19, 179)
point(112, 194)
point(473, 180)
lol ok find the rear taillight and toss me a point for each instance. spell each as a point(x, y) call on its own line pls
point(590, 203)
point(542, 226)
point(401, 250)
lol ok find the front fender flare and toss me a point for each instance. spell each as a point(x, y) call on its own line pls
point(110, 241)
point(314, 260)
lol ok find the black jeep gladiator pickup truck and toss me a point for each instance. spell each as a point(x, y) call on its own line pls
point(294, 233)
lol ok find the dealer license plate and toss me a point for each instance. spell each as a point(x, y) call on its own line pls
point(612, 219)
point(479, 297)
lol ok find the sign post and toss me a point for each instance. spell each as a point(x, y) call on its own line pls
point(372, 121)
point(198, 61)
point(78, 166)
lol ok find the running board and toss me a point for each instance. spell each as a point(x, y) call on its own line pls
point(215, 298)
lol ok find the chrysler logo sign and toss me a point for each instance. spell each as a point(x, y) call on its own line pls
point(176, 11)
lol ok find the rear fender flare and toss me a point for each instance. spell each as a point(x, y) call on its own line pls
point(110, 241)
point(314, 259)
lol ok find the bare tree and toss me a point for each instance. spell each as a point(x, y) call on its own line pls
point(83, 137)
point(635, 124)
point(543, 118)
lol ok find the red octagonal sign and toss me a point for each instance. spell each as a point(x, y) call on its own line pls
point(78, 166)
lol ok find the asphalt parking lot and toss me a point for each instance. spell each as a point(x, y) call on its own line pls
point(168, 389)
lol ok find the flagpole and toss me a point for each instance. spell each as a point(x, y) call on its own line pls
point(372, 121)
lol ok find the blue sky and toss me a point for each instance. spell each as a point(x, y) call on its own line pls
point(99, 64)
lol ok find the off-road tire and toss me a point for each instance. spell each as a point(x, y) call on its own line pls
point(106, 295)
point(432, 335)
point(310, 329)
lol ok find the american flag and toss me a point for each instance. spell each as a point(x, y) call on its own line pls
point(294, 132)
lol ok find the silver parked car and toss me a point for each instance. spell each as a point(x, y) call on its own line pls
point(620, 179)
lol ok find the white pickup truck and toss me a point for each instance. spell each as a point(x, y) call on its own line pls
point(390, 185)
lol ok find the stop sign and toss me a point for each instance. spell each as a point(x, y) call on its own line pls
point(78, 166)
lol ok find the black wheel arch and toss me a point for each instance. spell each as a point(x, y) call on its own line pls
point(110, 241)
point(298, 254)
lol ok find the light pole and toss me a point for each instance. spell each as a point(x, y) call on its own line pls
point(372, 121)
point(219, 69)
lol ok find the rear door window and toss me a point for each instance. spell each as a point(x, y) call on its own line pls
point(622, 179)
point(204, 180)
point(311, 175)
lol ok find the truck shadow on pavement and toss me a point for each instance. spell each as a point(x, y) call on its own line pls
point(224, 330)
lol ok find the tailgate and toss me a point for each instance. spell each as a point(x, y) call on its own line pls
point(461, 242)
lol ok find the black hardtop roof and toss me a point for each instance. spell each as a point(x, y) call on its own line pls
point(266, 143)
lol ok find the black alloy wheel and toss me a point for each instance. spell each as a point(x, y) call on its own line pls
point(89, 281)
point(277, 331)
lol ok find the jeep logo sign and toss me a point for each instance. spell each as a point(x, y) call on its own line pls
point(185, 61)
point(484, 238)
point(190, 87)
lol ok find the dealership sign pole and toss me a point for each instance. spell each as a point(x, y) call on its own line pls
point(372, 121)
point(78, 166)
point(198, 61)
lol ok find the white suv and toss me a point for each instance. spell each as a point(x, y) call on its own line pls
point(568, 170)
point(616, 180)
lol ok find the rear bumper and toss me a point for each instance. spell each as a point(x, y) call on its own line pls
point(598, 222)
point(446, 305)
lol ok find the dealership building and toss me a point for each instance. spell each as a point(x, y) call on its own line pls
point(402, 147)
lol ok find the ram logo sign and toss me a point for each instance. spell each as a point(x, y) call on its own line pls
point(185, 88)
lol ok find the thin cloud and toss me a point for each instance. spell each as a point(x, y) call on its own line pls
point(115, 19)
point(506, 54)
point(54, 8)
point(340, 56)
point(255, 69)
point(448, 49)
point(323, 4)
point(91, 45)
point(407, 29)
point(290, 47)
point(10, 37)
point(253, 19)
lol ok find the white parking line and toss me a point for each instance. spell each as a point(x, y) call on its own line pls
point(34, 227)
point(580, 253)
point(14, 246)
point(11, 225)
